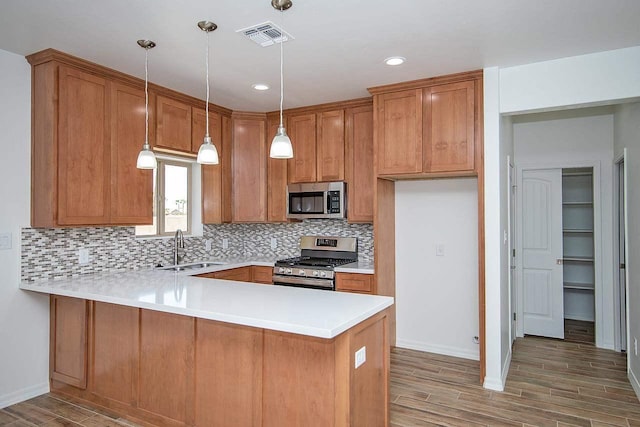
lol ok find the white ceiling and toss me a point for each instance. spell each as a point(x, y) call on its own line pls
point(339, 47)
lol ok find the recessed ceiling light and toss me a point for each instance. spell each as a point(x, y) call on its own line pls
point(394, 60)
point(260, 86)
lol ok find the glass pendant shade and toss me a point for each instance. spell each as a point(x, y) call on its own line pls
point(281, 147)
point(208, 154)
point(146, 158)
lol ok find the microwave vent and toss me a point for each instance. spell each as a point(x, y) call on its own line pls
point(265, 34)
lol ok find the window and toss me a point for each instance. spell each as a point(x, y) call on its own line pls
point(171, 200)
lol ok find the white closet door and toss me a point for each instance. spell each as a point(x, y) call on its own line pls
point(542, 253)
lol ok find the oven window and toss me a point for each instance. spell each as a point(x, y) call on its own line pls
point(306, 203)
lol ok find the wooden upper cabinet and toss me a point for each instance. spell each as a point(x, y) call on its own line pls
point(399, 132)
point(249, 170)
point(226, 162)
point(213, 197)
point(330, 146)
point(173, 125)
point(302, 131)
point(429, 128)
point(131, 188)
point(83, 148)
point(449, 131)
point(87, 131)
point(359, 163)
point(276, 179)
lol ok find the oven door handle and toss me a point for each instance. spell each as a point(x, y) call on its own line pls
point(295, 280)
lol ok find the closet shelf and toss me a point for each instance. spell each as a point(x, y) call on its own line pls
point(577, 259)
point(589, 203)
point(576, 230)
point(578, 286)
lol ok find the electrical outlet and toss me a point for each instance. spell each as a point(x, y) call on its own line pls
point(361, 356)
point(440, 249)
point(274, 243)
point(83, 256)
point(207, 245)
point(225, 243)
point(5, 240)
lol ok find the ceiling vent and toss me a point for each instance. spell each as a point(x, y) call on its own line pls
point(265, 34)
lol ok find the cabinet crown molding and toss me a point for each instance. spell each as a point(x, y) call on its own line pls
point(431, 81)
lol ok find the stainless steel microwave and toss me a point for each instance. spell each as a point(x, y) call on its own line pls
point(317, 200)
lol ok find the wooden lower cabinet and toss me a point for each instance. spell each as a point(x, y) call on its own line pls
point(157, 368)
point(354, 282)
point(68, 347)
point(229, 382)
point(254, 273)
point(114, 350)
point(166, 376)
point(262, 274)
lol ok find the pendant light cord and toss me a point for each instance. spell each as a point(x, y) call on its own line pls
point(207, 67)
point(281, 68)
point(146, 97)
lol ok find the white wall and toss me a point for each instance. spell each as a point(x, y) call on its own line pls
point(627, 134)
point(605, 77)
point(437, 296)
point(24, 316)
point(570, 138)
point(597, 78)
point(498, 348)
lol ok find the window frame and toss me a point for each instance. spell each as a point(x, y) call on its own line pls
point(159, 198)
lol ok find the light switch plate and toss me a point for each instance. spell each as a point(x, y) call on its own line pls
point(225, 243)
point(361, 356)
point(5, 241)
point(207, 244)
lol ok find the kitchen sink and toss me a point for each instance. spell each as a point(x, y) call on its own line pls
point(190, 266)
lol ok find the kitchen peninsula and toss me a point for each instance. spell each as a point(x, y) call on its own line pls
point(166, 348)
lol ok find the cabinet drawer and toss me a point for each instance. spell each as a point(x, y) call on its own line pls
point(354, 282)
point(261, 274)
point(241, 274)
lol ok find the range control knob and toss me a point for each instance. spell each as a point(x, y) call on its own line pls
point(281, 270)
point(301, 272)
point(323, 274)
point(288, 271)
point(315, 272)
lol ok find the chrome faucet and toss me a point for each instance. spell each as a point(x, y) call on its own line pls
point(178, 244)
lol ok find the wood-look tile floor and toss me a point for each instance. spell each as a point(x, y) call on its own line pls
point(52, 411)
point(579, 331)
point(550, 383)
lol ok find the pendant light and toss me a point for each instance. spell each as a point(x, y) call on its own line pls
point(146, 158)
point(281, 147)
point(207, 154)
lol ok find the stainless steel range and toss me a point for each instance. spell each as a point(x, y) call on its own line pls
point(314, 268)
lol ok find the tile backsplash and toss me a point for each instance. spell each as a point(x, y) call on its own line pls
point(53, 252)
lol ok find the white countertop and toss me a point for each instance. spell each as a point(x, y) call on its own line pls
point(360, 267)
point(317, 313)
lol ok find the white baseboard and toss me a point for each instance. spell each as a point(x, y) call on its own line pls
point(24, 394)
point(438, 349)
point(634, 383)
point(498, 384)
